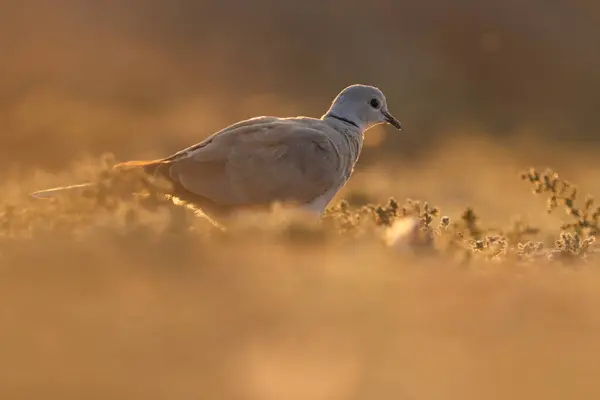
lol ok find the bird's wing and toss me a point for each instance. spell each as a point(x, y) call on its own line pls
point(259, 161)
point(227, 131)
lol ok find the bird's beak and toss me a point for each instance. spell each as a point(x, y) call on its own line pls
point(391, 120)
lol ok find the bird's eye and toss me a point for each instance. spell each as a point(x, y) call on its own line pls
point(374, 103)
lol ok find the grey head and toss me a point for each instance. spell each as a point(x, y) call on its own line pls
point(361, 106)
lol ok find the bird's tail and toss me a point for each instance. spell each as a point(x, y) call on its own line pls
point(149, 167)
point(57, 191)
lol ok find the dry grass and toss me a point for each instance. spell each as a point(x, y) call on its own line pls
point(112, 297)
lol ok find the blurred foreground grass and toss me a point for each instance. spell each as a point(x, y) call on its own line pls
point(107, 296)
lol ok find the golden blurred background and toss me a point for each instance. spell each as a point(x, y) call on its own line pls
point(138, 77)
point(483, 88)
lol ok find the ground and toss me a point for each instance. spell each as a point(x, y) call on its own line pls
point(141, 299)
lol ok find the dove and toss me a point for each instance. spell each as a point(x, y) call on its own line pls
point(256, 162)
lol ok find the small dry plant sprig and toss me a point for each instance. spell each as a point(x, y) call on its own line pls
point(343, 219)
point(576, 238)
point(563, 193)
point(572, 247)
point(466, 238)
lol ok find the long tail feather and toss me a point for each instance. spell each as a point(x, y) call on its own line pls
point(57, 191)
point(148, 166)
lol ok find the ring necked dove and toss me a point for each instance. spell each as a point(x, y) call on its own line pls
point(262, 160)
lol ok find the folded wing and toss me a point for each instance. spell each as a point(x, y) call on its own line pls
point(257, 162)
